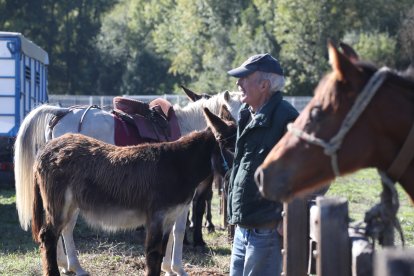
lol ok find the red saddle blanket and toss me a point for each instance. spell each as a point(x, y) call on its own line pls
point(137, 122)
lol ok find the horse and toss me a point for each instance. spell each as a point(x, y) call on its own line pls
point(38, 127)
point(121, 188)
point(360, 117)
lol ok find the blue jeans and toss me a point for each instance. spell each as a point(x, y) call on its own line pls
point(256, 252)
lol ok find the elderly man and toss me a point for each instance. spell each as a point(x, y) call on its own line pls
point(263, 119)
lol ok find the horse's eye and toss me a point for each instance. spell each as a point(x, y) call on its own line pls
point(315, 113)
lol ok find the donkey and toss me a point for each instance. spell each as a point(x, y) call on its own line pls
point(121, 187)
point(36, 129)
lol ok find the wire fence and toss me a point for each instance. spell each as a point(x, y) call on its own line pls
point(106, 101)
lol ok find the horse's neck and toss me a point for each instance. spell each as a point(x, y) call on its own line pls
point(190, 121)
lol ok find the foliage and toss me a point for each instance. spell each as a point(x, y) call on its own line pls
point(376, 47)
point(151, 47)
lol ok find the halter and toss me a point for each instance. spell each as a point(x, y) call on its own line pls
point(387, 209)
point(333, 145)
point(225, 164)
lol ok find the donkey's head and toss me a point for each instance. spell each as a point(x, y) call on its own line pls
point(224, 128)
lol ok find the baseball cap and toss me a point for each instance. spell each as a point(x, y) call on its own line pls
point(260, 62)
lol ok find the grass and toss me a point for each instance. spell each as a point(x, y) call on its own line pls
point(122, 253)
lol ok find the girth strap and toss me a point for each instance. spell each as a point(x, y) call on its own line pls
point(84, 114)
point(404, 157)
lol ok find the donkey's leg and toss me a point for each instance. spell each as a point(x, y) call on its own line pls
point(67, 233)
point(179, 231)
point(155, 245)
point(48, 246)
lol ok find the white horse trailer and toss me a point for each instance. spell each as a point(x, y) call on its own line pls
point(23, 86)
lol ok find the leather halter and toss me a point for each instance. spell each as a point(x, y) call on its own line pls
point(404, 157)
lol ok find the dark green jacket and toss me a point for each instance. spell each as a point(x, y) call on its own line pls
point(254, 141)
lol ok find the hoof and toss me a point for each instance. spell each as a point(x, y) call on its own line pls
point(200, 243)
point(211, 229)
point(179, 271)
point(166, 267)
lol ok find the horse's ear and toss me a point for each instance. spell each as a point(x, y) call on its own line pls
point(349, 52)
point(190, 94)
point(227, 95)
point(342, 66)
point(225, 114)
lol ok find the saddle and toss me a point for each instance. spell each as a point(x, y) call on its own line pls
point(137, 122)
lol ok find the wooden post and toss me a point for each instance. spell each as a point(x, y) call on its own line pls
point(362, 254)
point(295, 238)
point(333, 250)
point(394, 262)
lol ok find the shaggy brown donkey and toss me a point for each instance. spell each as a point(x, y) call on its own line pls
point(121, 187)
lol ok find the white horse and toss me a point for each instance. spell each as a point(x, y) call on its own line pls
point(35, 131)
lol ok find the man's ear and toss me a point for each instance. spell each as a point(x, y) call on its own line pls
point(265, 85)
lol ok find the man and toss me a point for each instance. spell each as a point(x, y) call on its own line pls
point(263, 120)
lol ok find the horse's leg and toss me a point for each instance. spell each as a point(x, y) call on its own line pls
point(179, 231)
point(166, 261)
point(67, 233)
point(48, 248)
point(155, 247)
point(61, 256)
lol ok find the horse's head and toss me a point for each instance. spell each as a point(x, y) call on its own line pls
point(315, 149)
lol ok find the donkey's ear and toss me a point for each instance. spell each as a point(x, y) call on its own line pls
point(225, 114)
point(190, 94)
point(213, 121)
point(342, 66)
point(349, 52)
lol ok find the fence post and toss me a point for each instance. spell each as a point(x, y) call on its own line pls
point(333, 249)
point(394, 262)
point(295, 237)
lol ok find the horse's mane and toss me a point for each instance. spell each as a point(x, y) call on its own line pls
point(405, 77)
point(191, 116)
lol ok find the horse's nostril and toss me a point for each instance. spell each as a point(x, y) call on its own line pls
point(258, 177)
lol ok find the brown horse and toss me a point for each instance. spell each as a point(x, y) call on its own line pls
point(359, 117)
point(120, 188)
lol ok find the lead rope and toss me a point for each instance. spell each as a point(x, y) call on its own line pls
point(381, 219)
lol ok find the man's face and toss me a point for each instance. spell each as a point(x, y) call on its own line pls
point(251, 87)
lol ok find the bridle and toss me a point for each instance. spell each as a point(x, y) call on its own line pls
point(389, 205)
point(332, 146)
